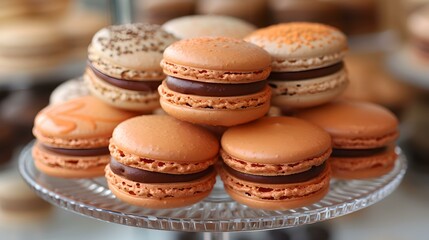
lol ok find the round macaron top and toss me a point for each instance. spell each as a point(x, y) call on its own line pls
point(418, 23)
point(276, 140)
point(163, 138)
point(353, 124)
point(136, 48)
point(216, 59)
point(301, 46)
point(208, 25)
point(77, 120)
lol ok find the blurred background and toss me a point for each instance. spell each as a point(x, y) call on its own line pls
point(44, 42)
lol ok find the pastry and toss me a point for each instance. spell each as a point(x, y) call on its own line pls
point(276, 163)
point(215, 81)
point(307, 63)
point(160, 162)
point(30, 46)
point(73, 137)
point(68, 90)
point(208, 26)
point(123, 65)
point(363, 137)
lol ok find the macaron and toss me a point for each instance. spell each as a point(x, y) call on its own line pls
point(363, 137)
point(160, 11)
point(70, 89)
point(418, 27)
point(73, 137)
point(161, 162)
point(30, 46)
point(276, 163)
point(216, 81)
point(307, 63)
point(123, 65)
point(208, 26)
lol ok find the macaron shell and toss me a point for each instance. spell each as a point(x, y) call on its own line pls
point(208, 25)
point(81, 119)
point(353, 124)
point(277, 196)
point(276, 140)
point(160, 196)
point(164, 138)
point(309, 92)
point(71, 89)
point(216, 59)
point(63, 166)
point(143, 102)
point(130, 45)
point(215, 111)
point(301, 46)
point(363, 167)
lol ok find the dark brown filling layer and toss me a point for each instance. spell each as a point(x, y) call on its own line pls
point(308, 74)
point(281, 179)
point(213, 89)
point(143, 176)
point(79, 152)
point(351, 153)
point(142, 86)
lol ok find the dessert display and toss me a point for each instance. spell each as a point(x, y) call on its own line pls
point(363, 137)
point(70, 89)
point(161, 162)
point(307, 63)
point(210, 82)
point(123, 65)
point(276, 163)
point(73, 137)
point(208, 26)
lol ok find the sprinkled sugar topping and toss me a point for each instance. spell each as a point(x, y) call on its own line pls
point(132, 38)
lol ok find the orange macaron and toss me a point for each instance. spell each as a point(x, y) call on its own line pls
point(276, 163)
point(73, 137)
point(363, 137)
point(160, 162)
point(216, 81)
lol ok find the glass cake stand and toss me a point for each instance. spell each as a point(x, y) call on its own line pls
point(217, 213)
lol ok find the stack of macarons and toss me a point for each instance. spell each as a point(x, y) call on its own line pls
point(215, 82)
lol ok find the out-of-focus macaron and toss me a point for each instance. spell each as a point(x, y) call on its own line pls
point(30, 46)
point(418, 27)
point(307, 63)
point(253, 11)
point(276, 163)
point(363, 137)
point(73, 137)
point(123, 65)
point(78, 28)
point(208, 26)
point(160, 162)
point(160, 11)
point(12, 9)
point(71, 89)
point(215, 81)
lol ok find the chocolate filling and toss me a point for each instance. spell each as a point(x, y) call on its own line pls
point(79, 152)
point(143, 176)
point(213, 89)
point(142, 86)
point(280, 179)
point(351, 153)
point(308, 74)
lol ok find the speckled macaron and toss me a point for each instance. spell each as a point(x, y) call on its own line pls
point(160, 162)
point(215, 81)
point(307, 62)
point(276, 163)
point(208, 26)
point(73, 137)
point(68, 90)
point(123, 65)
point(363, 136)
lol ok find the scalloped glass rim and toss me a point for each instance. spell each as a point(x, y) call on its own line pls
point(217, 213)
